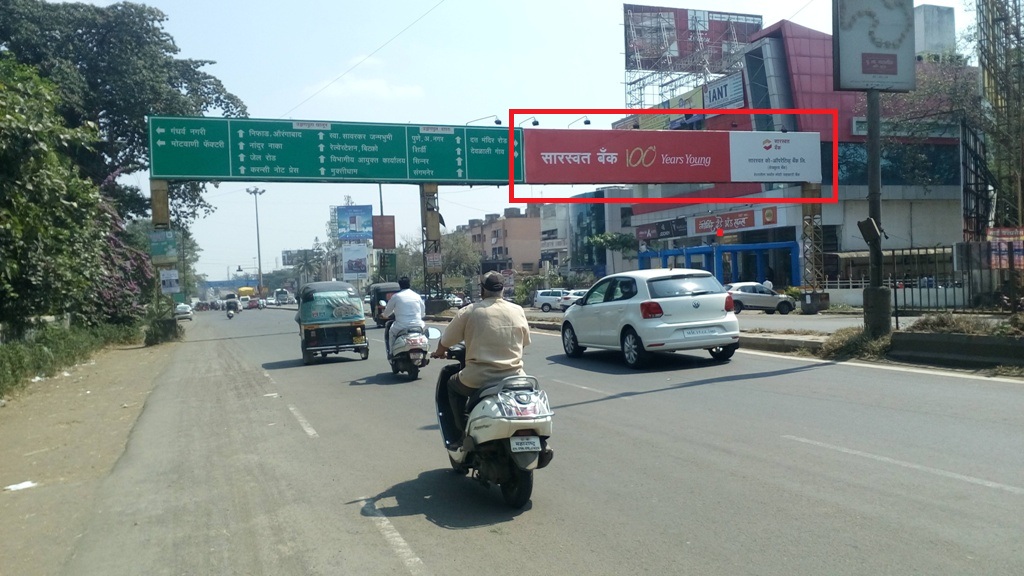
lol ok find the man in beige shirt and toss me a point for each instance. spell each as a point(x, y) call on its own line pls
point(495, 332)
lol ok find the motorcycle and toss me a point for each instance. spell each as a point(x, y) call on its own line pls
point(409, 350)
point(508, 424)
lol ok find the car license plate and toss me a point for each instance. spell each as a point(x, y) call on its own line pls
point(525, 443)
point(700, 331)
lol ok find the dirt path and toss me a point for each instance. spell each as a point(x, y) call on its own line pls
point(64, 434)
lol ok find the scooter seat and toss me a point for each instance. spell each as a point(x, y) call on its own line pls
point(493, 388)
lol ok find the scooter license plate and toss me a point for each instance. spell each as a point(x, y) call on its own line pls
point(525, 443)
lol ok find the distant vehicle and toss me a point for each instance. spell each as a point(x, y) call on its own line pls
point(548, 299)
point(282, 297)
point(243, 302)
point(758, 297)
point(183, 312)
point(247, 291)
point(570, 299)
point(454, 300)
point(644, 311)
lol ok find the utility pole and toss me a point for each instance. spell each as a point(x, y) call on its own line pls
point(256, 193)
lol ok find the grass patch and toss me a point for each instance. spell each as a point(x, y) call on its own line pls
point(52, 348)
point(1011, 326)
point(853, 342)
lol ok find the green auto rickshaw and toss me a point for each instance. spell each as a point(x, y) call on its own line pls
point(331, 320)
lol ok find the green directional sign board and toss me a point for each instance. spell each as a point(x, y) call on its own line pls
point(183, 148)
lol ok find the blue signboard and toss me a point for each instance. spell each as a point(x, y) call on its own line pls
point(355, 222)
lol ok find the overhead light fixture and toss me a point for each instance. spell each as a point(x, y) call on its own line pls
point(586, 121)
point(534, 123)
point(495, 116)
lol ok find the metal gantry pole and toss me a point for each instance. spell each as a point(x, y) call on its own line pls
point(256, 192)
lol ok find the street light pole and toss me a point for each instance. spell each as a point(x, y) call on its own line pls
point(256, 192)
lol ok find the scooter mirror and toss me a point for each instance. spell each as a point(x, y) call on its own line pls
point(381, 303)
point(433, 333)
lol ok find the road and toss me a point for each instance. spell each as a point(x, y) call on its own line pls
point(246, 462)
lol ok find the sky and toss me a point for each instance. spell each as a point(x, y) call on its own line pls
point(407, 61)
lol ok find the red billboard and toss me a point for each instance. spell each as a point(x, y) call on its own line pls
point(384, 232)
point(617, 156)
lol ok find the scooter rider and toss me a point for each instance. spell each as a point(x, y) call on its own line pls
point(495, 333)
point(408, 309)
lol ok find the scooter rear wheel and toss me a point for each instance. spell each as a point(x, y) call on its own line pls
point(517, 490)
point(414, 373)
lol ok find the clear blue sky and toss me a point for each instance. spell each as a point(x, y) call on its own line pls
point(407, 61)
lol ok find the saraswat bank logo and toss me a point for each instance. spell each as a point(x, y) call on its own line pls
point(774, 143)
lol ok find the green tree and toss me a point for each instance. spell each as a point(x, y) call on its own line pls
point(51, 222)
point(409, 260)
point(459, 259)
point(115, 65)
point(614, 241)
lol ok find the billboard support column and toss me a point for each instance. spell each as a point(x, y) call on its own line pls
point(877, 305)
point(431, 220)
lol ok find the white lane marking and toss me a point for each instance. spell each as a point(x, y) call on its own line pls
point(909, 369)
point(912, 466)
point(303, 422)
point(398, 544)
point(589, 389)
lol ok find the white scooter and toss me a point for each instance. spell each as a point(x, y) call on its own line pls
point(409, 349)
point(507, 431)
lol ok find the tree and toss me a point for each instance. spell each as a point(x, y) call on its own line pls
point(51, 222)
point(614, 241)
point(459, 259)
point(114, 66)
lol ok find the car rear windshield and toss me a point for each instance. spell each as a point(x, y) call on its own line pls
point(683, 285)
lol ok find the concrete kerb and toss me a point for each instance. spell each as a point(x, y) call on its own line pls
point(766, 342)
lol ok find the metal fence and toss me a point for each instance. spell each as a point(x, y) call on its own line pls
point(969, 276)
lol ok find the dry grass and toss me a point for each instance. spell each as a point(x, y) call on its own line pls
point(847, 343)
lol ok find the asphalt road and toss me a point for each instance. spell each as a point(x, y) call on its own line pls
point(246, 462)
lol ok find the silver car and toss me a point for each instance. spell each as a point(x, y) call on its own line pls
point(646, 311)
point(754, 296)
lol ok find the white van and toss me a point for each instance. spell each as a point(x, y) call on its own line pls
point(282, 297)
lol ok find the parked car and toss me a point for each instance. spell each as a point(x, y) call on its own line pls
point(548, 299)
point(569, 299)
point(759, 297)
point(454, 301)
point(642, 311)
point(183, 312)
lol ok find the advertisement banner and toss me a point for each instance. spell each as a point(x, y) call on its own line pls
point(873, 45)
point(726, 222)
point(619, 156)
point(724, 92)
point(169, 282)
point(775, 157)
point(355, 222)
point(355, 265)
point(163, 247)
point(384, 232)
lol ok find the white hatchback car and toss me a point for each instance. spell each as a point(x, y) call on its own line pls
point(646, 311)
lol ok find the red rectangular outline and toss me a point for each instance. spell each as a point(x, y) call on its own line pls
point(833, 112)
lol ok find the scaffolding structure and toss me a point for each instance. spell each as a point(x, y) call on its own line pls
point(672, 50)
point(1001, 59)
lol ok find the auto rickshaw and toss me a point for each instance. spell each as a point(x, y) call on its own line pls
point(381, 291)
point(331, 320)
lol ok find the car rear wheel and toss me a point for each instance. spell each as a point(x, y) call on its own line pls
point(545, 307)
point(569, 343)
point(633, 349)
point(785, 308)
point(737, 307)
point(722, 353)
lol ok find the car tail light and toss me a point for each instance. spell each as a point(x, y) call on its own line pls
point(650, 309)
point(728, 302)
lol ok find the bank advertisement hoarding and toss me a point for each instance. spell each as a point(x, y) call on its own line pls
point(873, 45)
point(669, 156)
point(355, 222)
